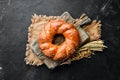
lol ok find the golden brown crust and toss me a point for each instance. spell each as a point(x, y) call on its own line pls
point(67, 48)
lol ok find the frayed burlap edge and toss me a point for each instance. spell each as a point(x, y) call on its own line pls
point(38, 21)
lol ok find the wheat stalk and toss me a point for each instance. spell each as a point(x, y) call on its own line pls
point(88, 49)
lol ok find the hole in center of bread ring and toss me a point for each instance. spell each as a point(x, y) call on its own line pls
point(65, 34)
point(58, 39)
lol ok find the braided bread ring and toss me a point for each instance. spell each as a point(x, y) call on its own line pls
point(67, 48)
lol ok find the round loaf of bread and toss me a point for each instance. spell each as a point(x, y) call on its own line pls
point(65, 49)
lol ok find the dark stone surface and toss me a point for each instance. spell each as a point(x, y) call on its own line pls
point(15, 18)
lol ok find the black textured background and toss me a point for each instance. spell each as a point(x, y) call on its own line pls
point(15, 18)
